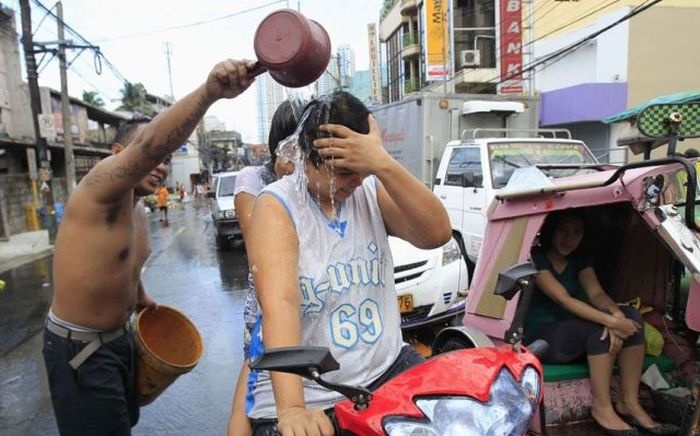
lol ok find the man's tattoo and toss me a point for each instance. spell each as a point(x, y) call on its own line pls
point(108, 175)
point(156, 152)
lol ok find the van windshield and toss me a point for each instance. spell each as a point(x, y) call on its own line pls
point(505, 157)
point(226, 186)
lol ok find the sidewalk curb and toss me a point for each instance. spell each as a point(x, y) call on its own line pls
point(26, 258)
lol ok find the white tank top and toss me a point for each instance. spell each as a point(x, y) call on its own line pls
point(348, 298)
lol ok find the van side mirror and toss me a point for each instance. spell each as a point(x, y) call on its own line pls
point(211, 194)
point(468, 179)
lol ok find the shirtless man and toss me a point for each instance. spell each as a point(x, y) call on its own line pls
point(101, 246)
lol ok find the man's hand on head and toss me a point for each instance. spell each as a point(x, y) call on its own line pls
point(229, 78)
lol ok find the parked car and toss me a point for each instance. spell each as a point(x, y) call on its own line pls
point(430, 284)
point(223, 211)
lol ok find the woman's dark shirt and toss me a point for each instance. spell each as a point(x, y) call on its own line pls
point(543, 310)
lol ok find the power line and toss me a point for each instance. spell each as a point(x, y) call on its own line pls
point(605, 6)
point(85, 40)
point(529, 44)
point(560, 54)
point(197, 23)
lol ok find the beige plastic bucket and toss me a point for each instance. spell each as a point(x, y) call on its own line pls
point(168, 345)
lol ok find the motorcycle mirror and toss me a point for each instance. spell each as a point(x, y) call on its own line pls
point(303, 361)
point(512, 279)
point(311, 362)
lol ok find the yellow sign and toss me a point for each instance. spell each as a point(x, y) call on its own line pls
point(436, 35)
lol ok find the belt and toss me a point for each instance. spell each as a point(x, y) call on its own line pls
point(94, 339)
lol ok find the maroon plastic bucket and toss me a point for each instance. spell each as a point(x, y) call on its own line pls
point(294, 49)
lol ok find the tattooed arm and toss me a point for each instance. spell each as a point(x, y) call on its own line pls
point(110, 179)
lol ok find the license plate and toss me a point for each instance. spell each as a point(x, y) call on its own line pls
point(405, 303)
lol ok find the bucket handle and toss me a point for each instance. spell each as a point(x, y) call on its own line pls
point(256, 70)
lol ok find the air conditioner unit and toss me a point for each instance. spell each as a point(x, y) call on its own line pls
point(469, 58)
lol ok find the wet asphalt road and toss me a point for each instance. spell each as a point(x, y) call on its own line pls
point(185, 271)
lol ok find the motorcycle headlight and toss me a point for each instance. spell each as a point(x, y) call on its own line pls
point(450, 252)
point(509, 410)
point(228, 213)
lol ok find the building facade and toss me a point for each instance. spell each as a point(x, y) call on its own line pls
point(21, 185)
point(448, 46)
point(623, 57)
point(270, 95)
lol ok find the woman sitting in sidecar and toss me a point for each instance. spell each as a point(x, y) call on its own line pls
point(573, 313)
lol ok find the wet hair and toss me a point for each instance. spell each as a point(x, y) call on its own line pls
point(284, 123)
point(126, 130)
point(552, 221)
point(338, 108)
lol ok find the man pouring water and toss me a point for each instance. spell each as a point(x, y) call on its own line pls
point(101, 247)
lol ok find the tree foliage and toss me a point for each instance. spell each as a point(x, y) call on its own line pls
point(93, 98)
point(134, 99)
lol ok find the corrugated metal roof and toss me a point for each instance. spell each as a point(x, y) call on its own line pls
point(680, 97)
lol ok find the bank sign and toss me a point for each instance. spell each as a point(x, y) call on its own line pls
point(511, 45)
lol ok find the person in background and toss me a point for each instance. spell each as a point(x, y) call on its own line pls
point(573, 313)
point(309, 232)
point(249, 182)
point(162, 195)
point(100, 249)
point(181, 192)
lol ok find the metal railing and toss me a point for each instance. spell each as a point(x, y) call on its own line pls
point(410, 38)
point(410, 86)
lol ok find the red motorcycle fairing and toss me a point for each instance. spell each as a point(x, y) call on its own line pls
point(468, 372)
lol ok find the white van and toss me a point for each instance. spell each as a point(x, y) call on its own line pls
point(474, 168)
point(430, 284)
point(223, 212)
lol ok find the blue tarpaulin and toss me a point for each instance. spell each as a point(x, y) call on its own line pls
point(680, 97)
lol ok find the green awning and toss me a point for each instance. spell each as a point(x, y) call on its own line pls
point(681, 97)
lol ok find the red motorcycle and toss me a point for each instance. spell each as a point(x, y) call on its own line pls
point(476, 391)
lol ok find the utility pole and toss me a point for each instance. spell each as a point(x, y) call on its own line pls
point(35, 103)
point(65, 104)
point(168, 52)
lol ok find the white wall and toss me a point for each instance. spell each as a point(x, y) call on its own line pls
point(601, 60)
point(181, 168)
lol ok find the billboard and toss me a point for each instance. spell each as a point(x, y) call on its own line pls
point(437, 26)
point(511, 44)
